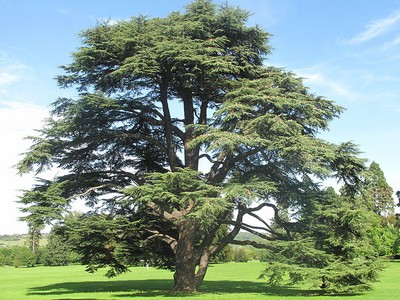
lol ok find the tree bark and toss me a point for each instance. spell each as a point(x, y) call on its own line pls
point(189, 273)
point(190, 267)
point(184, 277)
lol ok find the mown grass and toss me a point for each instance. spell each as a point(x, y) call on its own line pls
point(233, 281)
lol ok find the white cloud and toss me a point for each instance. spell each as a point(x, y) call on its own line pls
point(331, 88)
point(10, 70)
point(392, 43)
point(376, 29)
point(7, 78)
point(17, 120)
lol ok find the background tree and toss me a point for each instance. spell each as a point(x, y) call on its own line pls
point(42, 204)
point(178, 131)
point(378, 196)
point(58, 251)
point(18, 256)
point(377, 192)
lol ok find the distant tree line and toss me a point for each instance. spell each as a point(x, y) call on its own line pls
point(55, 253)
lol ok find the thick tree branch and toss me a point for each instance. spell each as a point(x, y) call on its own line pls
point(207, 241)
point(215, 174)
point(285, 224)
point(203, 112)
point(173, 215)
point(231, 235)
point(176, 214)
point(225, 162)
point(162, 237)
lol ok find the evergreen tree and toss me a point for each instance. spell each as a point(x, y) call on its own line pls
point(58, 251)
point(377, 192)
point(180, 130)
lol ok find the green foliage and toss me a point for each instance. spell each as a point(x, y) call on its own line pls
point(385, 239)
point(58, 252)
point(183, 194)
point(44, 203)
point(377, 192)
point(241, 254)
point(336, 247)
point(226, 255)
point(17, 256)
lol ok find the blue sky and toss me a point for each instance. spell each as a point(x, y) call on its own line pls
point(346, 51)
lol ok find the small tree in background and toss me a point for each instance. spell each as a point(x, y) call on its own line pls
point(377, 192)
point(22, 256)
point(56, 252)
point(377, 195)
point(241, 254)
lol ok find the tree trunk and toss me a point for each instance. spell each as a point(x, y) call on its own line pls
point(185, 277)
point(189, 274)
point(190, 267)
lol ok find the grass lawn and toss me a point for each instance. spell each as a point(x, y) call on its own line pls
point(231, 281)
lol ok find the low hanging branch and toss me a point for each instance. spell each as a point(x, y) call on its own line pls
point(163, 237)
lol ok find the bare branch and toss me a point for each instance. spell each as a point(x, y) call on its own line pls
point(93, 189)
point(277, 218)
point(261, 220)
point(206, 155)
point(285, 224)
point(252, 230)
point(252, 243)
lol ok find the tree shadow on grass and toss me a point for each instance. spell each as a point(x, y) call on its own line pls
point(153, 288)
point(139, 287)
